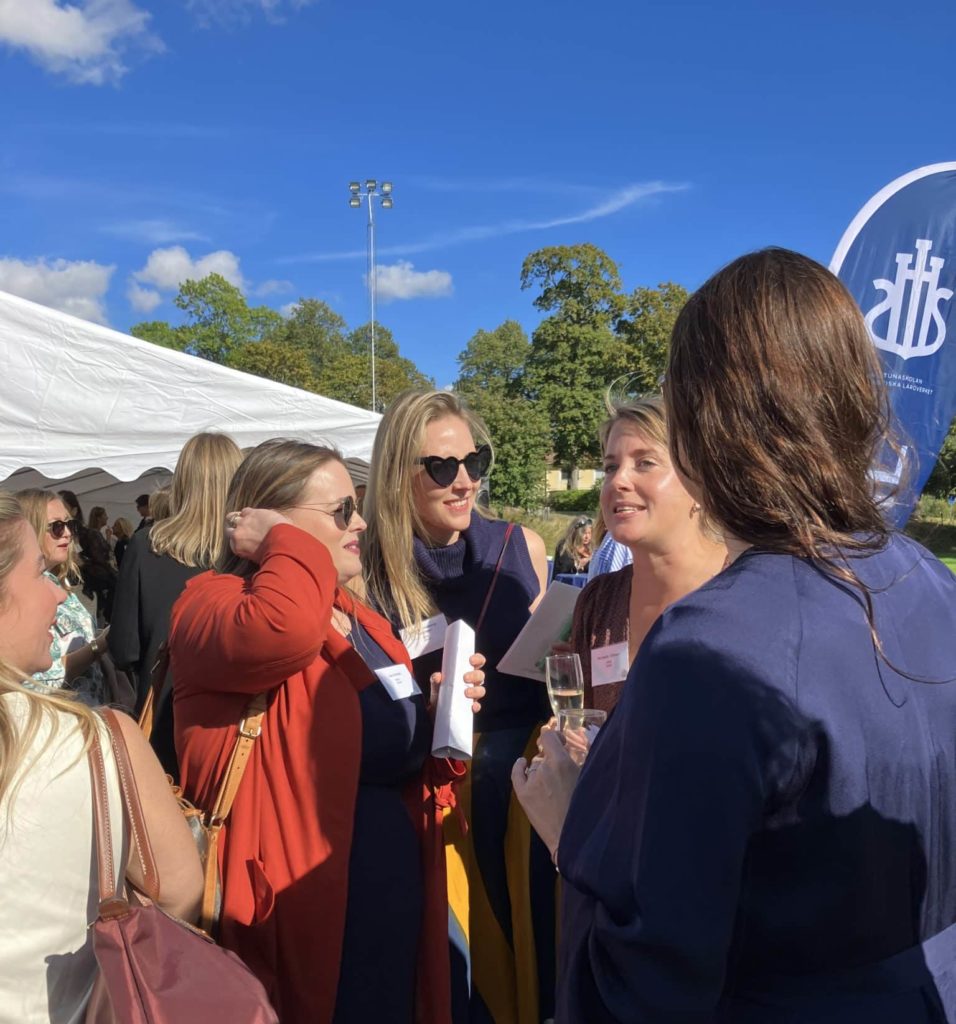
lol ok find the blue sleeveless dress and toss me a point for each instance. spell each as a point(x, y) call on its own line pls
point(509, 877)
point(385, 895)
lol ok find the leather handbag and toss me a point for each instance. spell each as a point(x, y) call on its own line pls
point(153, 968)
point(206, 827)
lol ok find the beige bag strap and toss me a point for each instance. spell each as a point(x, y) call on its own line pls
point(157, 678)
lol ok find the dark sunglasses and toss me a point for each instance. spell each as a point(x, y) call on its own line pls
point(444, 471)
point(342, 513)
point(59, 526)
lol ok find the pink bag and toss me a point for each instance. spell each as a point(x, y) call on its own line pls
point(155, 969)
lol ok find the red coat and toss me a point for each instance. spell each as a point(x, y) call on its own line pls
point(285, 854)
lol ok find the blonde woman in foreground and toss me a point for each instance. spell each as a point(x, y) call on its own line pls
point(47, 966)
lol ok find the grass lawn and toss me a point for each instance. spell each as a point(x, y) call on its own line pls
point(940, 538)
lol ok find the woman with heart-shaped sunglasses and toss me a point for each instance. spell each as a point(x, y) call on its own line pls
point(432, 553)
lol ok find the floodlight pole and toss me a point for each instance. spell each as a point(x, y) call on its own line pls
point(358, 195)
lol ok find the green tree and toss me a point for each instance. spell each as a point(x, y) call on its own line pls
point(275, 360)
point(646, 327)
point(942, 481)
point(316, 329)
point(219, 319)
point(575, 352)
point(161, 333)
point(490, 379)
point(348, 375)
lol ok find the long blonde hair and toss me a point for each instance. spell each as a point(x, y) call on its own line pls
point(194, 534)
point(392, 578)
point(16, 735)
point(34, 503)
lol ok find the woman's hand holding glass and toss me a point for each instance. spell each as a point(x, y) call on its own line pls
point(474, 690)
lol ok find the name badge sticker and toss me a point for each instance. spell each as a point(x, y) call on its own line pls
point(609, 664)
point(429, 638)
point(398, 681)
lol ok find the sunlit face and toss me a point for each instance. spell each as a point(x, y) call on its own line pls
point(643, 500)
point(586, 537)
point(446, 511)
point(56, 550)
point(28, 608)
point(316, 513)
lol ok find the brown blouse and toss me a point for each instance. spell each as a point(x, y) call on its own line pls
point(600, 618)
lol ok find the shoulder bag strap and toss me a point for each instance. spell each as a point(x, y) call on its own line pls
point(157, 677)
point(494, 578)
point(250, 728)
point(139, 835)
point(102, 833)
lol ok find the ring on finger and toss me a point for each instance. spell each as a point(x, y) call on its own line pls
point(233, 519)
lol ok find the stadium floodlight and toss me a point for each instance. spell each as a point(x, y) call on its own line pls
point(356, 197)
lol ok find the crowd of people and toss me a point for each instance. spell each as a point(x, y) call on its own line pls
point(762, 832)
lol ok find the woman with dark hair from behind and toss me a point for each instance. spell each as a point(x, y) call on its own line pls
point(764, 830)
point(158, 562)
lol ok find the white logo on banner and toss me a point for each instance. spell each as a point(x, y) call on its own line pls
point(912, 344)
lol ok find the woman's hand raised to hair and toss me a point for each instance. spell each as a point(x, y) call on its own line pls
point(247, 529)
point(474, 683)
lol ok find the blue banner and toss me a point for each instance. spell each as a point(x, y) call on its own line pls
point(898, 259)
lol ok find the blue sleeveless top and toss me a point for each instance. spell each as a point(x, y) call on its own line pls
point(458, 577)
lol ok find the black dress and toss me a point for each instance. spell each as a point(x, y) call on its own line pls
point(385, 895)
point(145, 593)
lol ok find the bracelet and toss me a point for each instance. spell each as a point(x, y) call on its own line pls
point(94, 647)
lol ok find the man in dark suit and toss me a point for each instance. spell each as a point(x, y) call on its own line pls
point(142, 507)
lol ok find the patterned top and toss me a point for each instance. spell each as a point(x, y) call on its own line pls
point(74, 628)
point(609, 557)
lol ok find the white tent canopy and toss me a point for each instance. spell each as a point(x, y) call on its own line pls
point(106, 415)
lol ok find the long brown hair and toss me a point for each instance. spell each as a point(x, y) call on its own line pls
point(273, 475)
point(777, 409)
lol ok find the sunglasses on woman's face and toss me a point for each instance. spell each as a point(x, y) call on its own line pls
point(59, 526)
point(444, 471)
point(342, 513)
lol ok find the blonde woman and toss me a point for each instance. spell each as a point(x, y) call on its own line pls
point(76, 648)
point(428, 552)
point(647, 509)
point(573, 552)
point(122, 532)
point(160, 560)
point(47, 965)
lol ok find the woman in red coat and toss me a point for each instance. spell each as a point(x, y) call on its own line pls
point(333, 867)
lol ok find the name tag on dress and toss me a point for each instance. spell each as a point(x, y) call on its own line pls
point(609, 664)
point(430, 637)
point(398, 681)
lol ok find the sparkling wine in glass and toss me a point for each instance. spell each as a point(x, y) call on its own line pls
point(565, 682)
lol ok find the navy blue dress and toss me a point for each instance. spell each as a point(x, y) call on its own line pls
point(385, 897)
point(511, 871)
point(765, 830)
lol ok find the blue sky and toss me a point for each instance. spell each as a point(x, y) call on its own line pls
point(147, 141)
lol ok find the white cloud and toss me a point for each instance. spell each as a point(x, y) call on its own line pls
point(85, 40)
point(616, 201)
point(209, 11)
point(288, 309)
point(166, 269)
point(143, 300)
point(273, 287)
point(402, 281)
point(73, 286)
point(152, 231)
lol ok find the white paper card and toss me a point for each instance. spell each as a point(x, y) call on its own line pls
point(398, 681)
point(609, 664)
point(454, 720)
point(550, 622)
point(429, 637)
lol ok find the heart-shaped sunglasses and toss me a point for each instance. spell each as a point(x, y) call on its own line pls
point(444, 471)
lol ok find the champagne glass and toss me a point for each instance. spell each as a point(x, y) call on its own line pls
point(565, 681)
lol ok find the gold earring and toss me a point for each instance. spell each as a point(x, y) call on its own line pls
point(694, 509)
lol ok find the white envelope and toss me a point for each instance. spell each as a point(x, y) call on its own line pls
point(454, 720)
